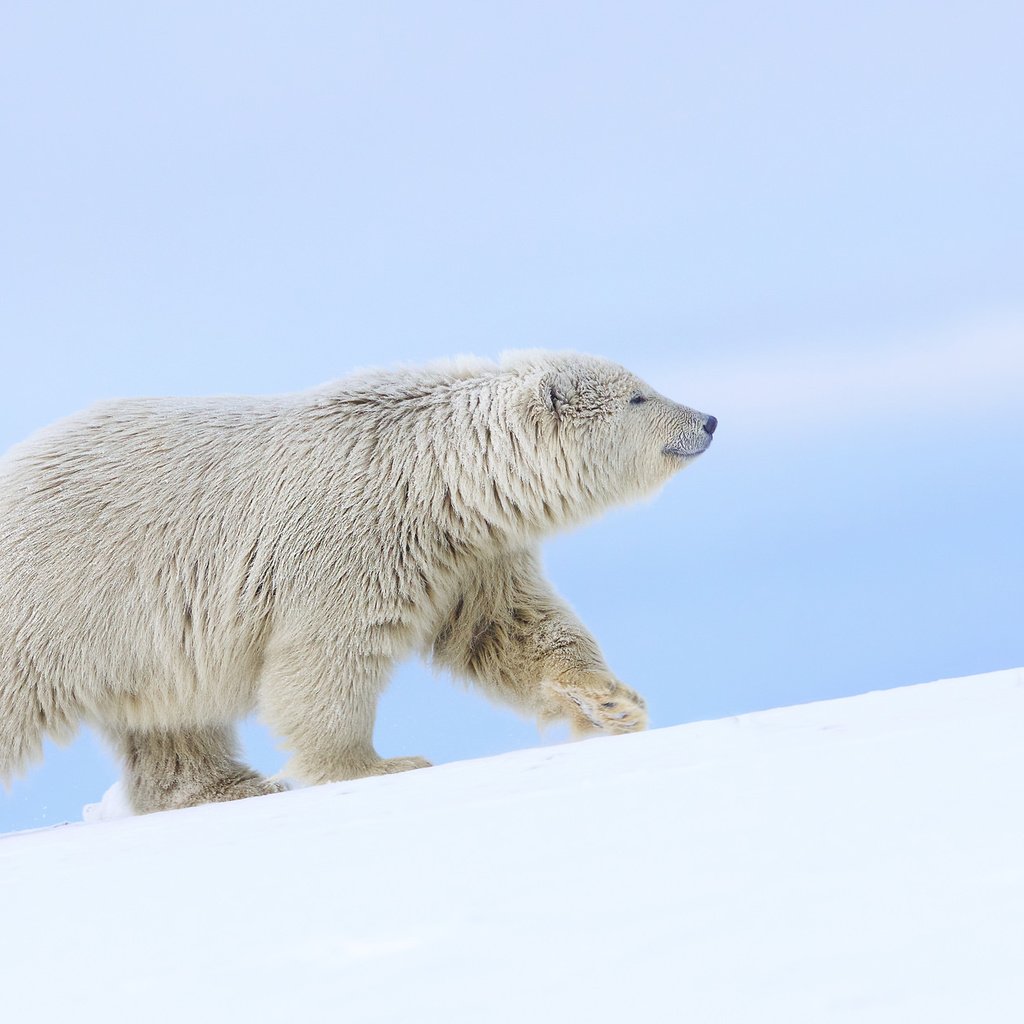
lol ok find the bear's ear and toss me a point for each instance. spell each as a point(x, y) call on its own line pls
point(557, 391)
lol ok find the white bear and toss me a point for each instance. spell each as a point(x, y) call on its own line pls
point(171, 565)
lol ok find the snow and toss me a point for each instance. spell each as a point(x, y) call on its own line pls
point(851, 860)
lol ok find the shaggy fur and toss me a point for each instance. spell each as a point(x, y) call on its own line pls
point(171, 565)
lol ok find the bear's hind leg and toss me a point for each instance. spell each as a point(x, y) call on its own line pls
point(165, 769)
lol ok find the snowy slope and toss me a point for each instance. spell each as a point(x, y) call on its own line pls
point(853, 860)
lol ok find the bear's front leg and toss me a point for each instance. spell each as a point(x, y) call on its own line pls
point(314, 769)
point(513, 636)
point(320, 693)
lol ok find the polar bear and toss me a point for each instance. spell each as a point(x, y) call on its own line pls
point(171, 565)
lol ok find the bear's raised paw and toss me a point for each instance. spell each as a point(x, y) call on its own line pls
point(598, 702)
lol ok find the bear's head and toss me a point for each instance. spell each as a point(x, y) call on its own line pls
point(611, 437)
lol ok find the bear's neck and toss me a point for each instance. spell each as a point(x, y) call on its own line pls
point(500, 477)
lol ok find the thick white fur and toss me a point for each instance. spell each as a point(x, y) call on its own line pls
point(170, 565)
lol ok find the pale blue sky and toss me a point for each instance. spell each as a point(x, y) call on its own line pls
point(807, 219)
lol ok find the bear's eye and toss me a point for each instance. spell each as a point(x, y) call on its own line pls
point(638, 399)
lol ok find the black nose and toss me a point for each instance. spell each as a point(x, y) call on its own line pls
point(709, 424)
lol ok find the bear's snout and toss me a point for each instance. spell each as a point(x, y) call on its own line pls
point(696, 431)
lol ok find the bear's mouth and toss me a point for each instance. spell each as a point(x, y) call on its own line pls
point(678, 449)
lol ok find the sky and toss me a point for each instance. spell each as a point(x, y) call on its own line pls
point(805, 220)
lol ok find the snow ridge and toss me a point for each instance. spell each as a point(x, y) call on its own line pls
point(851, 860)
